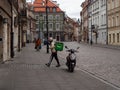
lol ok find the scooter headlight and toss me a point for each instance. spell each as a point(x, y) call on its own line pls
point(72, 56)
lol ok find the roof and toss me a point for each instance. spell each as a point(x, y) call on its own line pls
point(40, 5)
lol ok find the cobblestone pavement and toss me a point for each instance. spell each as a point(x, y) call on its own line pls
point(27, 71)
point(101, 61)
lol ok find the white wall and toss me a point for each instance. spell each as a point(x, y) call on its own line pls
point(102, 34)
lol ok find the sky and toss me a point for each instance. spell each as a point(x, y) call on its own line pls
point(71, 7)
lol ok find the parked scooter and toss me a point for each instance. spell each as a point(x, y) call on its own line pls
point(71, 58)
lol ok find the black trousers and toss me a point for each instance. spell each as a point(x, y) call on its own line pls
point(54, 55)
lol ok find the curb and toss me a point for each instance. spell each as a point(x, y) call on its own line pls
point(102, 46)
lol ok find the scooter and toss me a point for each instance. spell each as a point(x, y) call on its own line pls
point(71, 59)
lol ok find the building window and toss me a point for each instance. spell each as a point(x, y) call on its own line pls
point(48, 9)
point(109, 6)
point(102, 34)
point(50, 26)
point(113, 38)
point(101, 3)
point(50, 17)
point(117, 21)
point(101, 19)
point(104, 18)
point(44, 26)
point(112, 21)
point(109, 22)
point(98, 5)
point(54, 9)
point(104, 2)
point(109, 38)
point(37, 26)
point(57, 17)
point(117, 3)
point(57, 26)
point(118, 37)
point(98, 20)
point(50, 35)
point(37, 17)
point(44, 17)
point(113, 4)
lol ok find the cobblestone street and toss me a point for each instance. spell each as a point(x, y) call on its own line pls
point(27, 71)
point(101, 61)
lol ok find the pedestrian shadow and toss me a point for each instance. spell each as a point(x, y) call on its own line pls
point(67, 71)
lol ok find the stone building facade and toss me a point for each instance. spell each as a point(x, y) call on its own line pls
point(71, 29)
point(10, 28)
point(68, 28)
point(84, 21)
point(101, 28)
point(31, 23)
point(55, 19)
point(113, 13)
point(97, 21)
point(5, 29)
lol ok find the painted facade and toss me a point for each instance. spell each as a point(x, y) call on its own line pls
point(113, 13)
point(5, 29)
point(101, 28)
point(55, 20)
point(97, 21)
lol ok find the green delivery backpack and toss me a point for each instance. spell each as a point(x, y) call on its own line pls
point(59, 46)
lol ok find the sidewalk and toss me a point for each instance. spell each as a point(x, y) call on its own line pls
point(27, 71)
point(102, 45)
point(29, 55)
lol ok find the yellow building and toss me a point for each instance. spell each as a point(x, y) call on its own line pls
point(113, 14)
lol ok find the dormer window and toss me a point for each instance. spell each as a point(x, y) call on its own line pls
point(48, 9)
point(54, 9)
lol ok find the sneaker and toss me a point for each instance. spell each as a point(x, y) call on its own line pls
point(47, 64)
point(57, 65)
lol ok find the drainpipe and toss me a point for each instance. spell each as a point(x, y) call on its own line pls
point(19, 24)
point(106, 24)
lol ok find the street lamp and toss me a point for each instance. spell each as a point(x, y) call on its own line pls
point(12, 33)
point(39, 28)
point(46, 7)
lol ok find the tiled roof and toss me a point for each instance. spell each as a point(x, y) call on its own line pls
point(39, 6)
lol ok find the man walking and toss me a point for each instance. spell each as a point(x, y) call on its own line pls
point(53, 53)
